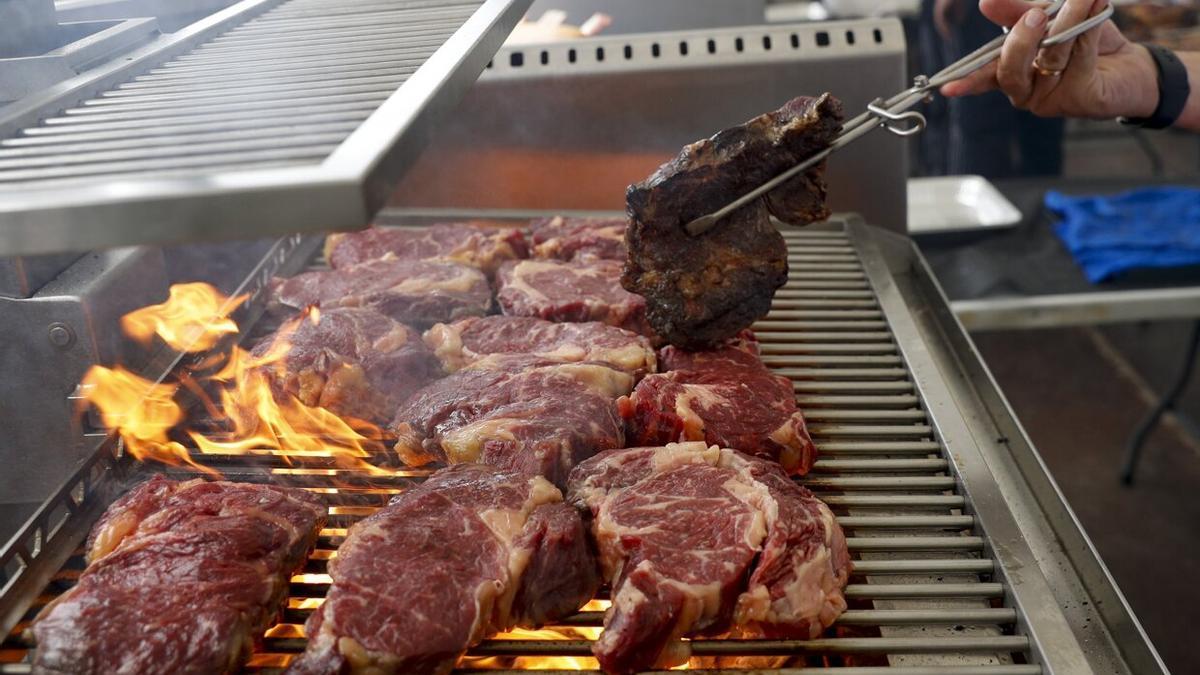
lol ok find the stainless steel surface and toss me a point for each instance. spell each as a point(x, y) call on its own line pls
point(966, 559)
point(27, 27)
point(569, 125)
point(1078, 309)
point(944, 204)
point(21, 277)
point(59, 192)
point(639, 16)
point(894, 115)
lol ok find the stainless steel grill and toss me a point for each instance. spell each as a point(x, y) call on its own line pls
point(950, 570)
point(320, 103)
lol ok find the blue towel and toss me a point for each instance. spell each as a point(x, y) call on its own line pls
point(1146, 228)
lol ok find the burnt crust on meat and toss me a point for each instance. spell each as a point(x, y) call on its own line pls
point(702, 290)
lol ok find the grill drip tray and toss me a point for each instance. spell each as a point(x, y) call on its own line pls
point(928, 594)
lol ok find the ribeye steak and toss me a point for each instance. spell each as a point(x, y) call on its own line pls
point(582, 239)
point(570, 292)
point(481, 247)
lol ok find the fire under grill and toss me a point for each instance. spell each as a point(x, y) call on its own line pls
point(930, 592)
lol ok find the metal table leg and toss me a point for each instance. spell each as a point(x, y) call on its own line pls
point(1138, 440)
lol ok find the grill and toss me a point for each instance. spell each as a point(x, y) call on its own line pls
point(268, 102)
point(944, 578)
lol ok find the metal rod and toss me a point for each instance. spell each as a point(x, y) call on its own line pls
point(1000, 644)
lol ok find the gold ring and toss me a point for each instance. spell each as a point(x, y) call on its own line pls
point(1046, 72)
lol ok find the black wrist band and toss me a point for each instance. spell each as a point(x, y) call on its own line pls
point(1173, 90)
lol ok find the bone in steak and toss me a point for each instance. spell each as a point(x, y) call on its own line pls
point(183, 577)
point(416, 292)
point(582, 239)
point(724, 397)
point(701, 541)
point(471, 552)
point(353, 361)
point(517, 412)
point(482, 247)
point(464, 342)
point(702, 290)
point(570, 292)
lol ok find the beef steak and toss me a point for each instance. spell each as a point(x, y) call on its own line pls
point(416, 292)
point(697, 540)
point(570, 292)
point(182, 577)
point(481, 247)
point(563, 238)
point(517, 412)
point(724, 396)
point(464, 342)
point(471, 552)
point(353, 361)
point(702, 290)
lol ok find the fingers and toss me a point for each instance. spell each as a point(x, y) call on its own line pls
point(1006, 12)
point(1073, 13)
point(1015, 73)
point(979, 82)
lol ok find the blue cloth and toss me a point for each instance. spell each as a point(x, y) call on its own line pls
point(1145, 228)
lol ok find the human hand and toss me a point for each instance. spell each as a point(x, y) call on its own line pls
point(1099, 74)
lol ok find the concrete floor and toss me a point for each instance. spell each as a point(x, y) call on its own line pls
point(1080, 393)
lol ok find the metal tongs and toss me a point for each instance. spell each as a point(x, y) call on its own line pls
point(894, 115)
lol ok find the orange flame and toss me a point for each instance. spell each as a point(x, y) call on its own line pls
point(259, 419)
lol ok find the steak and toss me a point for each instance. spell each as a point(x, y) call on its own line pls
point(471, 552)
point(724, 397)
point(701, 541)
point(464, 342)
point(183, 577)
point(521, 413)
point(702, 290)
point(353, 361)
point(481, 247)
point(582, 239)
point(416, 292)
point(570, 292)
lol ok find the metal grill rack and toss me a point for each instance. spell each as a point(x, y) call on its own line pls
point(933, 590)
point(269, 117)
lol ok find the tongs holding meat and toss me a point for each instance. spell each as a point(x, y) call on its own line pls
point(894, 113)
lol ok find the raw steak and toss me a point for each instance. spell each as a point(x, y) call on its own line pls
point(581, 239)
point(471, 552)
point(355, 362)
point(702, 290)
point(724, 397)
point(516, 412)
point(464, 342)
point(481, 247)
point(416, 292)
point(182, 578)
point(701, 541)
point(571, 292)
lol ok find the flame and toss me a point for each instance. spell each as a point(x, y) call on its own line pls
point(538, 662)
point(258, 418)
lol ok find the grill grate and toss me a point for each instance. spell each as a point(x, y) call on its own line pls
point(925, 595)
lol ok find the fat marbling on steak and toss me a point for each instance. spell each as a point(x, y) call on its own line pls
point(183, 577)
point(417, 292)
point(724, 396)
point(518, 412)
point(464, 342)
point(471, 552)
point(701, 541)
point(353, 361)
point(570, 292)
point(565, 238)
point(702, 290)
point(478, 246)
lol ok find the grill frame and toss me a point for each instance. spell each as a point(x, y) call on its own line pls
point(924, 495)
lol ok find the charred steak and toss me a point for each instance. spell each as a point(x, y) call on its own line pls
point(726, 397)
point(416, 292)
point(583, 239)
point(696, 541)
point(471, 552)
point(353, 361)
point(481, 247)
point(702, 290)
point(181, 578)
point(516, 412)
point(464, 342)
point(570, 292)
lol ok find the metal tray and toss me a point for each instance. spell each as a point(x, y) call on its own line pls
point(948, 204)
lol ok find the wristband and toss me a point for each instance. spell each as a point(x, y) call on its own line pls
point(1173, 90)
